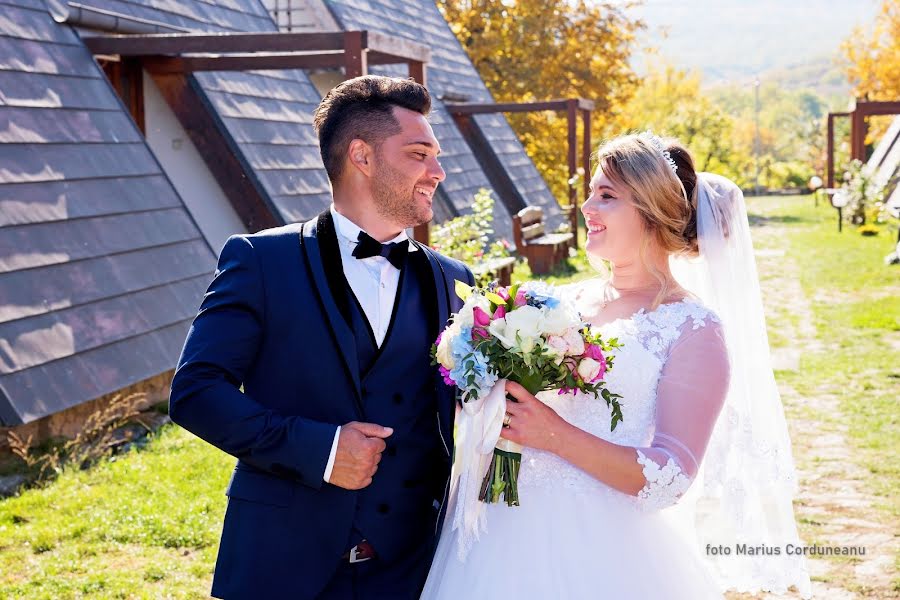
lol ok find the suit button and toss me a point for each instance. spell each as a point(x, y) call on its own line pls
point(398, 398)
point(384, 509)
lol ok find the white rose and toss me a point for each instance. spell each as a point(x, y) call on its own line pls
point(588, 369)
point(525, 322)
point(444, 356)
point(557, 321)
point(497, 328)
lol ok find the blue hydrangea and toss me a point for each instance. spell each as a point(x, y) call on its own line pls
point(469, 363)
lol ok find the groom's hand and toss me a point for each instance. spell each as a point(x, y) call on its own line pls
point(358, 453)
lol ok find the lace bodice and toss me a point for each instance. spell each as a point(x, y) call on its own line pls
point(648, 340)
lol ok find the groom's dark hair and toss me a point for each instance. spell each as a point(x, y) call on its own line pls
point(362, 108)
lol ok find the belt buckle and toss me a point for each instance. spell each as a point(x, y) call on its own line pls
point(354, 556)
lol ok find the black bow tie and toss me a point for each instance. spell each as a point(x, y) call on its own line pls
point(369, 247)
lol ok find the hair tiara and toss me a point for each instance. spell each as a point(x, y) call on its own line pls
point(652, 139)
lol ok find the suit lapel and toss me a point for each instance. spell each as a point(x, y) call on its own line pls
point(323, 260)
point(445, 393)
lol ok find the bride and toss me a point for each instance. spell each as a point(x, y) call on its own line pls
point(690, 495)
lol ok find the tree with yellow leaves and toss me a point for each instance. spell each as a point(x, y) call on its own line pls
point(874, 56)
point(531, 50)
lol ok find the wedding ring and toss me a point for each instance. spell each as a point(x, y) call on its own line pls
point(507, 419)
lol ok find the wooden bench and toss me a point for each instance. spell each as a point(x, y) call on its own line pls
point(542, 250)
point(500, 268)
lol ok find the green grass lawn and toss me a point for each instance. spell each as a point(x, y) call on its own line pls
point(146, 524)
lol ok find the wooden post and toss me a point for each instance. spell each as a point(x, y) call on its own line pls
point(422, 233)
point(858, 135)
point(354, 55)
point(572, 119)
point(829, 168)
point(417, 71)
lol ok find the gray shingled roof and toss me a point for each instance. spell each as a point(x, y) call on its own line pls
point(267, 113)
point(101, 266)
point(450, 70)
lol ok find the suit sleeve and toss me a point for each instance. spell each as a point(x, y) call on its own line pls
point(221, 346)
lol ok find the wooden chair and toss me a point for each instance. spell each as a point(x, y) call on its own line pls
point(542, 250)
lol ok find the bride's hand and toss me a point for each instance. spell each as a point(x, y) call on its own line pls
point(531, 422)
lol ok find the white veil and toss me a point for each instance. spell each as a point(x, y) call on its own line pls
point(743, 494)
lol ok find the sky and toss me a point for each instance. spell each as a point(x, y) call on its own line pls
point(739, 39)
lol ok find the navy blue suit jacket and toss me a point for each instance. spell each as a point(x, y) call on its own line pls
point(270, 322)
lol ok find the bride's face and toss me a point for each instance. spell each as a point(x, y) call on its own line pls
point(614, 225)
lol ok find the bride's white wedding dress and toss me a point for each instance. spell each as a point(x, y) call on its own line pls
point(575, 537)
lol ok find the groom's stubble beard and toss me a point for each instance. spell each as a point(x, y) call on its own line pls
point(394, 196)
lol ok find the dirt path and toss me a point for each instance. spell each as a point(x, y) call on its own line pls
point(833, 507)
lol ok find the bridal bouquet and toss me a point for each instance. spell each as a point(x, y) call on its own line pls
point(524, 334)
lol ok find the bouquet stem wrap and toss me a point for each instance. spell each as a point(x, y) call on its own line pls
point(477, 434)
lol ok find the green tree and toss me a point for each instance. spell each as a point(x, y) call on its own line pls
point(528, 50)
point(670, 101)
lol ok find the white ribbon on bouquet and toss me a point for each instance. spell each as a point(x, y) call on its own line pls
point(478, 428)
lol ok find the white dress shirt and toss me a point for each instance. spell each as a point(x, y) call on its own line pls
point(374, 282)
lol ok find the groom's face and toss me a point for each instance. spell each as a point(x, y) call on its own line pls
point(407, 172)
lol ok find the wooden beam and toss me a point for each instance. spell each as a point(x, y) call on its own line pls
point(417, 71)
point(870, 108)
point(355, 63)
point(180, 43)
point(225, 162)
point(396, 46)
point(389, 49)
point(332, 59)
point(512, 107)
point(858, 135)
point(586, 165)
point(572, 137)
point(829, 152)
point(506, 107)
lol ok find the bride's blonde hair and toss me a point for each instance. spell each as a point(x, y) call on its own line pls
point(666, 200)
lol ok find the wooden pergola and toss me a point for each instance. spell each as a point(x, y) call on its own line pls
point(859, 128)
point(462, 114)
point(171, 59)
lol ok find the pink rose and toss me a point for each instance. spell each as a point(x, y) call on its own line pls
point(480, 333)
point(520, 298)
point(502, 292)
point(500, 312)
point(558, 344)
point(574, 342)
point(594, 351)
point(482, 319)
point(445, 373)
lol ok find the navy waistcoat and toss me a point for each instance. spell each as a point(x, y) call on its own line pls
point(396, 511)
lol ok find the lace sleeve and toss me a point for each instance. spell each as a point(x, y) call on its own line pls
point(690, 394)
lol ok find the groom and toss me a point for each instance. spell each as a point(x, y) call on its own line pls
point(343, 429)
